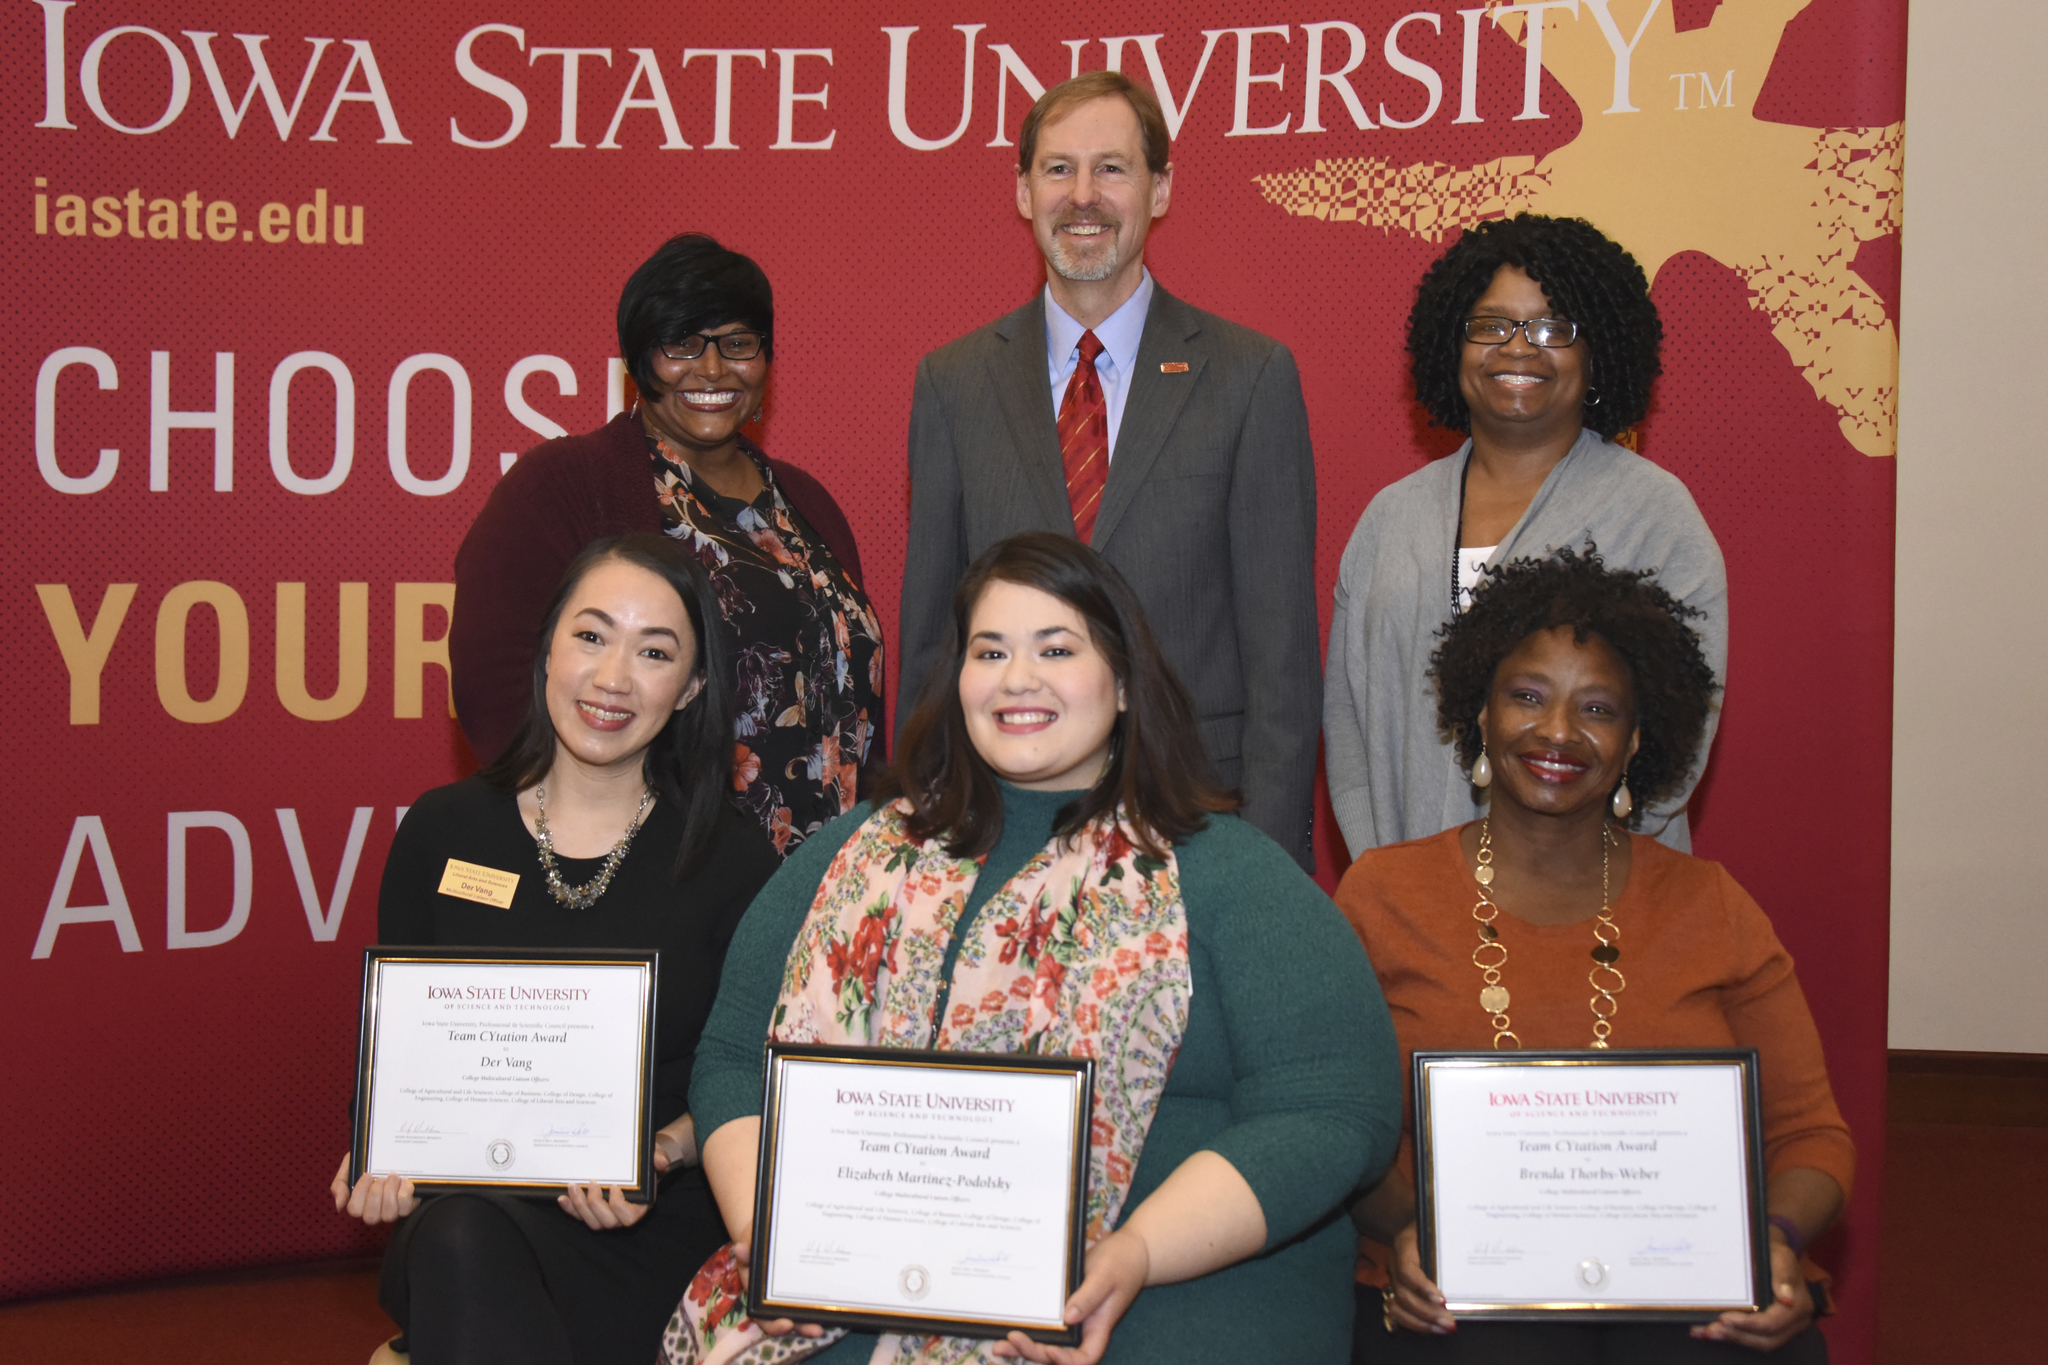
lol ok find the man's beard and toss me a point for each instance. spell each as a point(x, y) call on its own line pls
point(1071, 265)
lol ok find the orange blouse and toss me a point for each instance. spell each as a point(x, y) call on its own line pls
point(1704, 969)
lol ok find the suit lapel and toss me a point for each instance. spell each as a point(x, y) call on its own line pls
point(1154, 403)
point(1018, 376)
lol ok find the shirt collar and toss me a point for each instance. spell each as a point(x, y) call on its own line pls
point(1119, 333)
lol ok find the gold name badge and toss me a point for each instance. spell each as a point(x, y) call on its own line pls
point(1173, 367)
point(484, 885)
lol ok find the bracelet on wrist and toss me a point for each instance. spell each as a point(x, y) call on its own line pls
point(1794, 1238)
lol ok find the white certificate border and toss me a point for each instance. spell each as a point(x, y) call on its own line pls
point(1082, 1069)
point(1744, 1060)
point(646, 963)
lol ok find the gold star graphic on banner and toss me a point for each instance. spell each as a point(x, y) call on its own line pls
point(1783, 206)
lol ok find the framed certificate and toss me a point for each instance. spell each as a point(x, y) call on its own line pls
point(1614, 1185)
point(507, 1068)
point(924, 1192)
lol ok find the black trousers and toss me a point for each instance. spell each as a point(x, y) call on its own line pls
point(467, 1289)
point(1559, 1343)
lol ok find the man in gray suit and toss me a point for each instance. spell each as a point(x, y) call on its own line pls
point(1174, 442)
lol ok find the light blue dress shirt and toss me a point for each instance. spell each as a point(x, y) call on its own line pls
point(1119, 335)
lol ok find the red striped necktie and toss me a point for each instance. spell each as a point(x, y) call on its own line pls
point(1084, 438)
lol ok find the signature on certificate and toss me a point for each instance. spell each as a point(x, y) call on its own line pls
point(418, 1128)
point(556, 1130)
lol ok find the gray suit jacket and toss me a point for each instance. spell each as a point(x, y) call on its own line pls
point(1209, 511)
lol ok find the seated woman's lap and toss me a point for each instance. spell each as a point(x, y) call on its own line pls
point(465, 1286)
point(1560, 1343)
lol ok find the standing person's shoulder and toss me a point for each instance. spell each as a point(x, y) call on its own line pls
point(962, 359)
point(584, 463)
point(1412, 500)
point(1626, 475)
point(1231, 342)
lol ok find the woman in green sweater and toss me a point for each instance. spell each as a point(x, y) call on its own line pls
point(1052, 869)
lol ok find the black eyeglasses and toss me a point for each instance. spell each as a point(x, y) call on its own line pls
point(732, 345)
point(1555, 332)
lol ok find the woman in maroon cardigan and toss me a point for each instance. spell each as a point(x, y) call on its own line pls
point(696, 324)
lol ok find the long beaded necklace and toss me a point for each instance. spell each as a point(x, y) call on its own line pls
point(1458, 534)
point(1491, 954)
point(584, 896)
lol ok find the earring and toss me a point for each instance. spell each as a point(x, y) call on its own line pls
point(1592, 399)
point(757, 415)
point(1482, 770)
point(1622, 803)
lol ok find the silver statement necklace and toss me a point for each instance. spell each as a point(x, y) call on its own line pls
point(584, 896)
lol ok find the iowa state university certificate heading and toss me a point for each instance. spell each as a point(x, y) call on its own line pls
point(506, 1068)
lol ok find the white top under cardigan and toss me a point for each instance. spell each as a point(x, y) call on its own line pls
point(1391, 777)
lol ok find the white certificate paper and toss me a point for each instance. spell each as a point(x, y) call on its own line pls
point(933, 1193)
point(1589, 1186)
point(505, 1072)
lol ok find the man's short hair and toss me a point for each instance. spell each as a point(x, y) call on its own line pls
point(1068, 96)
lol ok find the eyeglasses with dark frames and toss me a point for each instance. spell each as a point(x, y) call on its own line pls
point(732, 345)
point(1553, 332)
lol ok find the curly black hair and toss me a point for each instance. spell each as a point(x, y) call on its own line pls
point(1645, 624)
point(1588, 279)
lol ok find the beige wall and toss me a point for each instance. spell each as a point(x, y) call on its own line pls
point(1969, 845)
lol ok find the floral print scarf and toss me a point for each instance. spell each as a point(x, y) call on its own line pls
point(805, 645)
point(1084, 952)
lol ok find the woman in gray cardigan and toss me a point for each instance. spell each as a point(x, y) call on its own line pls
point(1537, 337)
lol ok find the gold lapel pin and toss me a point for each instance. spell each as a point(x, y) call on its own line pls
point(1173, 367)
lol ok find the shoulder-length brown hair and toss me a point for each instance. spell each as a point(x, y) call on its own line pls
point(1157, 769)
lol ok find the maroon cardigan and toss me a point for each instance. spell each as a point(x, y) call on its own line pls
point(556, 499)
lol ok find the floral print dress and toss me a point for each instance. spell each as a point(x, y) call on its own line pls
point(806, 648)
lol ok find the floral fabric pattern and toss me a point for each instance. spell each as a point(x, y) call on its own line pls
point(806, 647)
point(1084, 952)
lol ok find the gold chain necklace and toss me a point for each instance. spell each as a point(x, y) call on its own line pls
point(1491, 954)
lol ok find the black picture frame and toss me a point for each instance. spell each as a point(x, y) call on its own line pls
point(760, 1306)
point(377, 955)
point(1744, 1059)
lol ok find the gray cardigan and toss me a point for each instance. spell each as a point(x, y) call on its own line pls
point(1391, 776)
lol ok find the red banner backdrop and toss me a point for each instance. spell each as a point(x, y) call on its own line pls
point(289, 281)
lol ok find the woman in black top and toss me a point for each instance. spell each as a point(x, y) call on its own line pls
point(627, 730)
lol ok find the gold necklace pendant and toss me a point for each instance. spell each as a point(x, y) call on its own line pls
point(1605, 978)
point(1491, 955)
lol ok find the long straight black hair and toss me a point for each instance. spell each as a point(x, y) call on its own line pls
point(1157, 771)
point(689, 762)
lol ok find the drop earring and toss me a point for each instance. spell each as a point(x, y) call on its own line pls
point(1622, 803)
point(1482, 770)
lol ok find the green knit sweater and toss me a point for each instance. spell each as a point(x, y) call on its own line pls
point(1288, 1071)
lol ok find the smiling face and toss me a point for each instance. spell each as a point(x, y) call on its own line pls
point(623, 659)
point(1089, 195)
point(1041, 700)
point(1560, 722)
point(705, 401)
point(1514, 390)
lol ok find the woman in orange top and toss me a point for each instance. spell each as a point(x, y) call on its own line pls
point(1578, 695)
